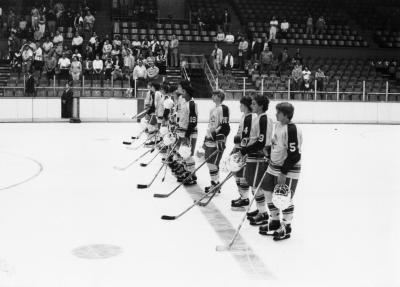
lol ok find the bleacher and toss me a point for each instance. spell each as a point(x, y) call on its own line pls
point(380, 17)
point(256, 15)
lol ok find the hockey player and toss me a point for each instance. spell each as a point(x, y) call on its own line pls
point(257, 162)
point(284, 168)
point(149, 105)
point(187, 131)
point(217, 132)
point(241, 139)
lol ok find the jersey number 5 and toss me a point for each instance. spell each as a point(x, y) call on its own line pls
point(292, 147)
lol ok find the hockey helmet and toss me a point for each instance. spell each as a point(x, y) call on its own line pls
point(185, 151)
point(168, 103)
point(163, 131)
point(234, 162)
point(281, 197)
point(169, 139)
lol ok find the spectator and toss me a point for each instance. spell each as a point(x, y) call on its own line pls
point(129, 63)
point(145, 48)
point(89, 22)
point(152, 71)
point(140, 75)
point(98, 66)
point(273, 28)
point(77, 55)
point(89, 53)
point(266, 44)
point(217, 57)
point(320, 77)
point(229, 38)
point(58, 39)
point(310, 25)
point(306, 79)
point(35, 18)
point(242, 54)
point(117, 69)
point(17, 63)
point(117, 41)
point(136, 45)
point(174, 51)
point(284, 60)
point(30, 85)
point(226, 21)
point(228, 63)
point(256, 49)
point(64, 65)
point(78, 23)
point(41, 27)
point(76, 69)
point(66, 102)
point(38, 59)
point(284, 27)
point(93, 39)
point(220, 35)
point(266, 59)
point(320, 26)
point(161, 62)
point(107, 48)
point(297, 76)
point(51, 21)
point(77, 42)
point(298, 57)
point(27, 58)
point(108, 68)
point(22, 24)
point(126, 42)
point(50, 65)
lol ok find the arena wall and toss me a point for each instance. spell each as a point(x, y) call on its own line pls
point(121, 109)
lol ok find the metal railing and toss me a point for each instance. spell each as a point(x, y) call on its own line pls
point(330, 93)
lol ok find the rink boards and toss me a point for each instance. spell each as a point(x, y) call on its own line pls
point(121, 109)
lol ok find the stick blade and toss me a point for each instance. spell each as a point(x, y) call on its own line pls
point(168, 217)
point(126, 143)
point(160, 195)
point(134, 138)
point(142, 186)
point(143, 164)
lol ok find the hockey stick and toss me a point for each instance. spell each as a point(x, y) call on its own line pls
point(165, 173)
point(131, 163)
point(143, 186)
point(229, 246)
point(133, 138)
point(137, 115)
point(142, 144)
point(215, 190)
point(150, 161)
point(169, 217)
point(164, 195)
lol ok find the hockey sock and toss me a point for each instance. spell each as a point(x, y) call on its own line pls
point(190, 164)
point(244, 188)
point(214, 172)
point(273, 210)
point(260, 201)
point(287, 214)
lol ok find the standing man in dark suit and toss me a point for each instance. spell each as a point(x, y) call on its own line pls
point(66, 102)
point(226, 21)
point(30, 85)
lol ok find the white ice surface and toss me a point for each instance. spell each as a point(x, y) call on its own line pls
point(345, 230)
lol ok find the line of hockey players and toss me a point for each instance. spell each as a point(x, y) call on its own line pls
point(265, 158)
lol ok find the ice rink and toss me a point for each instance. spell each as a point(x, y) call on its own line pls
point(62, 200)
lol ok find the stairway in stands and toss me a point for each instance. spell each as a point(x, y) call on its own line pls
point(5, 71)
